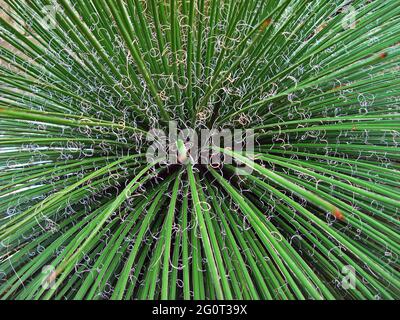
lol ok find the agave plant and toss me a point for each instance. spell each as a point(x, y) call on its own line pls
point(85, 215)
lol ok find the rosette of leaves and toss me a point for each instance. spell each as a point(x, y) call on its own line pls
point(84, 215)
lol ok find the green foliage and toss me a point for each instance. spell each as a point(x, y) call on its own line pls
point(82, 211)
